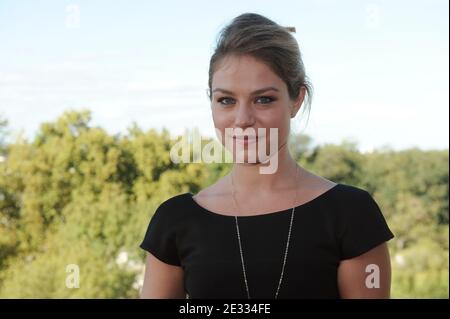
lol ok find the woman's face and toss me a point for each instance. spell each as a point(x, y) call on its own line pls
point(248, 95)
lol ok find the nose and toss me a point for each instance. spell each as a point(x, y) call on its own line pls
point(244, 116)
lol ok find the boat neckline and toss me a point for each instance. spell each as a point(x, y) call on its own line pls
point(304, 205)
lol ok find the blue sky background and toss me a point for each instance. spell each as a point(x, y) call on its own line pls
point(379, 68)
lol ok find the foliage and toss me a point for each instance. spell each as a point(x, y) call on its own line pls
point(77, 195)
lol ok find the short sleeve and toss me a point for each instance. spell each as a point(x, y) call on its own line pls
point(160, 237)
point(362, 226)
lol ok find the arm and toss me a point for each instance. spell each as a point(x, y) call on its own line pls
point(162, 281)
point(353, 278)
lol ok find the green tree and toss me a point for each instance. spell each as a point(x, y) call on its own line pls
point(78, 195)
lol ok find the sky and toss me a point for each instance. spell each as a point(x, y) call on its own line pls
point(379, 68)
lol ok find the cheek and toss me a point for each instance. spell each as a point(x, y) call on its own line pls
point(221, 122)
point(284, 131)
point(221, 119)
point(277, 119)
point(283, 121)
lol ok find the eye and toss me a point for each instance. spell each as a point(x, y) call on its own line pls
point(225, 100)
point(265, 99)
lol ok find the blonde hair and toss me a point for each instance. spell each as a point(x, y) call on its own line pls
point(255, 35)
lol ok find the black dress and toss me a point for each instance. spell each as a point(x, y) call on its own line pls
point(342, 223)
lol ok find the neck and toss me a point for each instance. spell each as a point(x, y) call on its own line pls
point(248, 176)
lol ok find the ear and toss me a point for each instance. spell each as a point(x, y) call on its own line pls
point(298, 102)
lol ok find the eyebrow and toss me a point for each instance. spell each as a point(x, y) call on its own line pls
point(269, 88)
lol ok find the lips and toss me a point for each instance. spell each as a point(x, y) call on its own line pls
point(245, 140)
point(245, 137)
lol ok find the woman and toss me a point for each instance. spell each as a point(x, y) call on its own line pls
point(284, 234)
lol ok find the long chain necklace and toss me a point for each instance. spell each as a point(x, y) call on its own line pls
point(240, 244)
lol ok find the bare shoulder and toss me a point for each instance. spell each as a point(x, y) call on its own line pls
point(216, 189)
point(313, 185)
point(214, 197)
